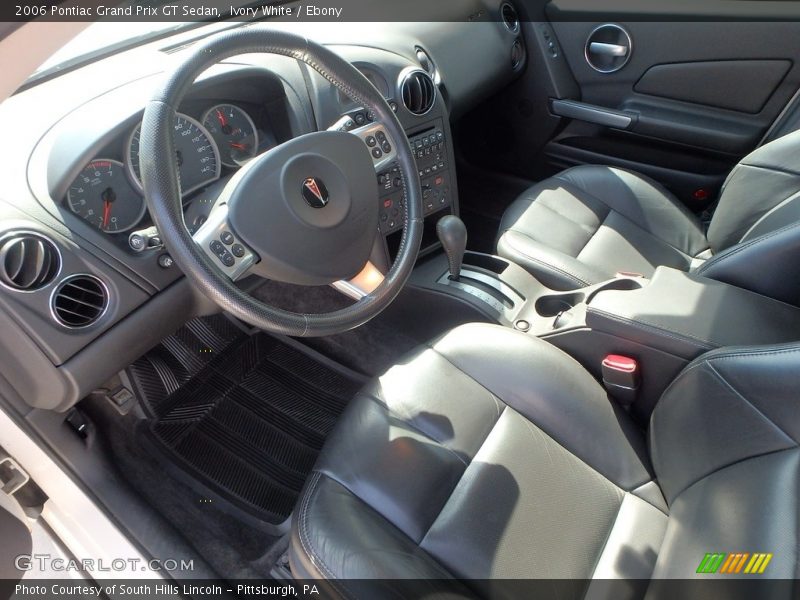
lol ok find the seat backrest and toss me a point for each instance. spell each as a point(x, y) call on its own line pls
point(760, 195)
point(724, 445)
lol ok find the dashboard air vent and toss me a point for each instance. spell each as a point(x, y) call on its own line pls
point(510, 19)
point(418, 92)
point(79, 301)
point(517, 54)
point(28, 261)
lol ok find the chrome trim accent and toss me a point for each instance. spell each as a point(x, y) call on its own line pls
point(586, 48)
point(512, 27)
point(135, 189)
point(14, 232)
point(401, 79)
point(608, 49)
point(249, 120)
point(99, 317)
point(138, 184)
point(362, 284)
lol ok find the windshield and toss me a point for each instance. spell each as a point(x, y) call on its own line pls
point(105, 36)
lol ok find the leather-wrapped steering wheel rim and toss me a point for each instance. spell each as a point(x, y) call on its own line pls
point(162, 191)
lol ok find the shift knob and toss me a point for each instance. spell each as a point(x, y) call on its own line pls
point(453, 235)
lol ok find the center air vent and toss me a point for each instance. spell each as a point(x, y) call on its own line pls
point(510, 19)
point(418, 92)
point(79, 301)
point(28, 261)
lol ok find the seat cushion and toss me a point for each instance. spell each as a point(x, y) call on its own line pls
point(487, 454)
point(590, 222)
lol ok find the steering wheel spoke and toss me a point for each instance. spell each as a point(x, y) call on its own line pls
point(375, 135)
point(367, 280)
point(225, 249)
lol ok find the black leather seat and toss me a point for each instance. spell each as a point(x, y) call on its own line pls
point(589, 222)
point(491, 454)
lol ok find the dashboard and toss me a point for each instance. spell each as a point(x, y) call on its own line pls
point(73, 201)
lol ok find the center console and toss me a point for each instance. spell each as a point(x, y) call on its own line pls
point(661, 323)
point(435, 168)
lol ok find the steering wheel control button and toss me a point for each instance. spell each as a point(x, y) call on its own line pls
point(227, 259)
point(371, 141)
point(376, 153)
point(217, 247)
point(237, 250)
point(226, 237)
point(315, 193)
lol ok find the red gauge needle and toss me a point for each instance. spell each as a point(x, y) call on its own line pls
point(106, 213)
point(108, 196)
point(222, 120)
point(238, 146)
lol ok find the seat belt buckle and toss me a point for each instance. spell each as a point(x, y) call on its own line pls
point(621, 377)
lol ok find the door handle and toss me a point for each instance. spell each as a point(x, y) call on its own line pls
point(608, 49)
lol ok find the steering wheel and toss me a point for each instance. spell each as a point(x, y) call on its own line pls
point(305, 212)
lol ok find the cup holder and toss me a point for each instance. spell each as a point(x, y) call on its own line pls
point(554, 304)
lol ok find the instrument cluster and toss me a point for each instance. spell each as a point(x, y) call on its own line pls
point(108, 193)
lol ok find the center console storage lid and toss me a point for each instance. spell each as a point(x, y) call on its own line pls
point(686, 314)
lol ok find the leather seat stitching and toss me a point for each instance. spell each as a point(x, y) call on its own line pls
point(636, 489)
point(733, 389)
point(647, 326)
point(305, 539)
point(729, 465)
point(452, 491)
point(722, 354)
point(434, 563)
point(546, 265)
point(663, 192)
point(742, 246)
point(773, 169)
point(588, 229)
point(605, 542)
point(410, 425)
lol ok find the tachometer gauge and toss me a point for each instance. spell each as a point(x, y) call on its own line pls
point(197, 155)
point(103, 196)
point(234, 132)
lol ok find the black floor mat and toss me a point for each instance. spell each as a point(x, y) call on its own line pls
point(244, 414)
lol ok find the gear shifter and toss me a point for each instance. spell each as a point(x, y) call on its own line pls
point(453, 236)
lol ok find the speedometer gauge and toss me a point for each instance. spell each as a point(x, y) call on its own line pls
point(102, 195)
point(196, 152)
point(234, 132)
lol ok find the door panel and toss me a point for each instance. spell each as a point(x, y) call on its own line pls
point(701, 94)
point(716, 83)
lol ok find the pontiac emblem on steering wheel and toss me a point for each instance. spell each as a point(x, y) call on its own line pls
point(315, 193)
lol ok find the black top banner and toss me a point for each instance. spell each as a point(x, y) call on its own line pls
point(395, 10)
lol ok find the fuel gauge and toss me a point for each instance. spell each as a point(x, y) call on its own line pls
point(234, 131)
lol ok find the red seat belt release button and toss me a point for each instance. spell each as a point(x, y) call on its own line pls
point(621, 376)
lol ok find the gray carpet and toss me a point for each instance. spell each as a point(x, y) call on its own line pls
point(369, 349)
